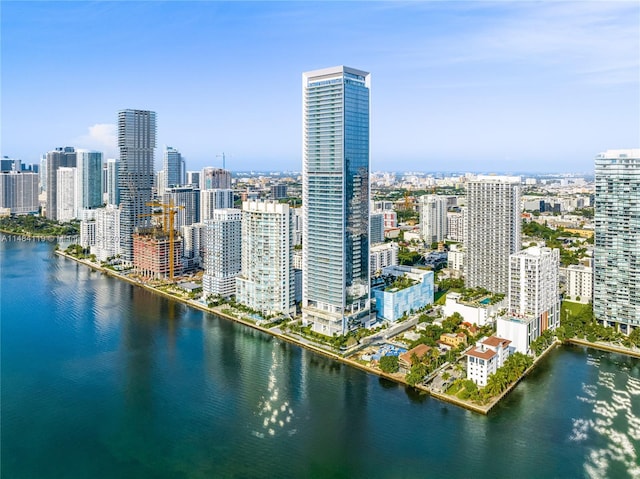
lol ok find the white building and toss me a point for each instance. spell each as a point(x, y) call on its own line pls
point(455, 225)
point(87, 228)
point(266, 281)
point(19, 192)
point(107, 240)
point(433, 218)
point(187, 201)
point(492, 231)
point(381, 256)
point(455, 258)
point(192, 247)
point(67, 197)
point(486, 357)
point(534, 296)
point(474, 312)
point(222, 261)
point(579, 281)
point(214, 199)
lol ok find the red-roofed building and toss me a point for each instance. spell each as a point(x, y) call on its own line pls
point(404, 360)
point(486, 357)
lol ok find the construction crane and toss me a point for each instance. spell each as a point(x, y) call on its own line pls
point(223, 160)
point(168, 214)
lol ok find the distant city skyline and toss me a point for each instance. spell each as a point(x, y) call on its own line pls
point(458, 86)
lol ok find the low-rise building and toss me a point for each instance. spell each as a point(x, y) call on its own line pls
point(579, 282)
point(393, 302)
point(453, 339)
point(486, 357)
point(405, 360)
point(478, 312)
point(152, 254)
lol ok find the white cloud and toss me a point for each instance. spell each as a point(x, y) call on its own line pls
point(102, 137)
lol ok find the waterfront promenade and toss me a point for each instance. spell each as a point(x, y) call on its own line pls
point(299, 341)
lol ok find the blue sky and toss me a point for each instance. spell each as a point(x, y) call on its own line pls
point(456, 86)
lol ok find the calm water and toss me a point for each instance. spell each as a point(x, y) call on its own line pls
point(102, 379)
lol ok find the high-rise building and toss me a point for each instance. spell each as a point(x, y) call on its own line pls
point(107, 244)
point(60, 157)
point(215, 178)
point(376, 226)
point(492, 231)
point(19, 192)
point(214, 199)
point(335, 192)
point(455, 225)
point(266, 280)
point(278, 191)
point(193, 178)
point(579, 283)
point(616, 299)
point(187, 199)
point(433, 218)
point(174, 170)
point(137, 142)
point(89, 178)
point(534, 296)
point(67, 197)
point(112, 188)
point(222, 262)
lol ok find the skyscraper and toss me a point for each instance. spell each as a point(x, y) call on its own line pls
point(113, 190)
point(433, 218)
point(174, 171)
point(60, 157)
point(492, 231)
point(335, 191)
point(215, 178)
point(137, 142)
point(89, 177)
point(222, 262)
point(266, 281)
point(616, 299)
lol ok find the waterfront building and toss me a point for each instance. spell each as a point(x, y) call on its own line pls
point(215, 179)
point(112, 188)
point(58, 158)
point(616, 300)
point(89, 180)
point(405, 359)
point(335, 192)
point(214, 199)
point(376, 226)
point(486, 357)
point(66, 198)
point(534, 296)
point(433, 218)
point(174, 171)
point(455, 225)
point(381, 256)
point(151, 253)
point(492, 231)
point(137, 143)
point(266, 280)
point(579, 283)
point(19, 192)
point(87, 228)
point(413, 292)
point(107, 241)
point(223, 257)
point(478, 311)
point(186, 202)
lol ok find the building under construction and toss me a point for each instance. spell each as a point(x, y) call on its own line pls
point(151, 247)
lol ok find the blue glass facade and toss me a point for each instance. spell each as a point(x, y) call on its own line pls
point(392, 305)
point(335, 199)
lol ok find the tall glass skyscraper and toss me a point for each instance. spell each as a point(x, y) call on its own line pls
point(137, 143)
point(174, 171)
point(89, 189)
point(616, 299)
point(335, 191)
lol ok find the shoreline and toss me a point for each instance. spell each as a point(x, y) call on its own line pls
point(477, 408)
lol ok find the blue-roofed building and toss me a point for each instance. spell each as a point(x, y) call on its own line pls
point(393, 302)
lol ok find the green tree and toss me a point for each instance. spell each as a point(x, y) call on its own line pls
point(389, 364)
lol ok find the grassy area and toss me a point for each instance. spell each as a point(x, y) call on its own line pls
point(571, 307)
point(440, 297)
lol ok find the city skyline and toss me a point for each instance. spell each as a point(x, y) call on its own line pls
point(459, 85)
